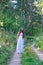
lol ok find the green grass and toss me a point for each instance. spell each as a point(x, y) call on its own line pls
point(29, 57)
point(39, 43)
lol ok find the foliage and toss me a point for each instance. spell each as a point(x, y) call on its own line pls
point(29, 57)
point(39, 6)
point(3, 4)
point(39, 43)
point(8, 21)
point(13, 19)
point(7, 45)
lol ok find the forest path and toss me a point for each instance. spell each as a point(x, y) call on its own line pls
point(15, 60)
point(39, 53)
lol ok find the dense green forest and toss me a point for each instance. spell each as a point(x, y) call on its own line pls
point(20, 14)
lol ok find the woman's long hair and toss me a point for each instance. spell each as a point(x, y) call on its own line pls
point(21, 30)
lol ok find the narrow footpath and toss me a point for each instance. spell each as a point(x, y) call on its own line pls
point(15, 60)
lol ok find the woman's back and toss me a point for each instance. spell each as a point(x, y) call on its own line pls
point(20, 42)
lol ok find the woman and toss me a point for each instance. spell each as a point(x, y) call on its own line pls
point(20, 41)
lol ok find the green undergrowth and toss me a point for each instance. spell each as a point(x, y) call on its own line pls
point(28, 57)
point(39, 43)
point(7, 46)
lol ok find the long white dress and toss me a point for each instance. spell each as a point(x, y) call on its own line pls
point(20, 43)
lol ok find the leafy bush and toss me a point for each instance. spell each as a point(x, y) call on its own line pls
point(29, 57)
point(7, 45)
point(39, 43)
